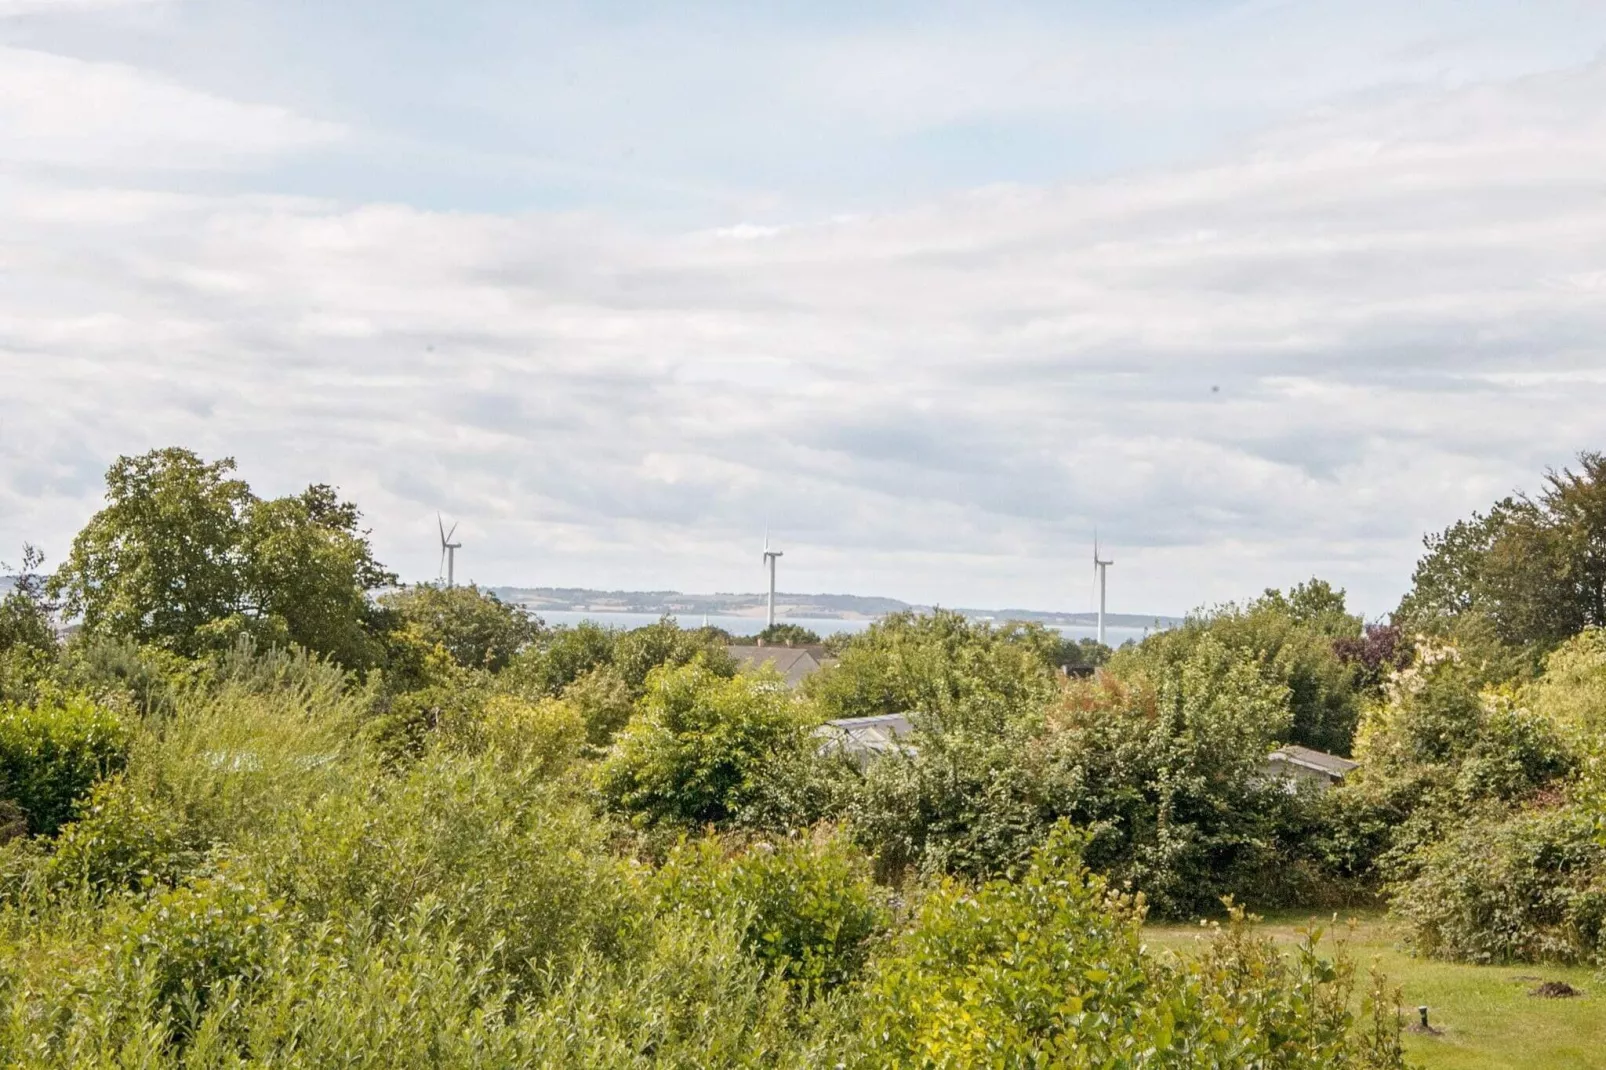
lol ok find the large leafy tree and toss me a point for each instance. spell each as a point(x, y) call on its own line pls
point(184, 556)
point(1533, 569)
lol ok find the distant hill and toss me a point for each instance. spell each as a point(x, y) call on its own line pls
point(788, 604)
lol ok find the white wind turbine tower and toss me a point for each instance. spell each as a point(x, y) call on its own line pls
point(770, 557)
point(448, 549)
point(1101, 569)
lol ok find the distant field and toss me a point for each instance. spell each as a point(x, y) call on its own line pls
point(1487, 1016)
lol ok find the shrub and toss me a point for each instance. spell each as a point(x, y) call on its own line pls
point(1529, 887)
point(122, 839)
point(806, 906)
point(1051, 970)
point(539, 739)
point(1296, 639)
point(934, 663)
point(604, 701)
point(640, 651)
point(1166, 776)
point(211, 936)
point(52, 753)
point(697, 746)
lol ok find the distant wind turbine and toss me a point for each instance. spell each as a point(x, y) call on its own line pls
point(1101, 569)
point(770, 557)
point(448, 550)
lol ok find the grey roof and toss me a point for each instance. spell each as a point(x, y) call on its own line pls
point(863, 738)
point(792, 662)
point(1321, 761)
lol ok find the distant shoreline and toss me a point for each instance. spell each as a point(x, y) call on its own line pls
point(789, 605)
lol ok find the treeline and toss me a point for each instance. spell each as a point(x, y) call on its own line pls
point(265, 806)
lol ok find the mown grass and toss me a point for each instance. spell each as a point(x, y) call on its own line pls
point(1486, 1015)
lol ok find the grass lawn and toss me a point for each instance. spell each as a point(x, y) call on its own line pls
point(1487, 1017)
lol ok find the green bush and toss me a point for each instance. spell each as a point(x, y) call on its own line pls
point(211, 936)
point(122, 839)
point(698, 745)
point(1529, 887)
point(935, 663)
point(1166, 776)
point(806, 906)
point(52, 754)
point(1291, 637)
point(604, 701)
point(1050, 970)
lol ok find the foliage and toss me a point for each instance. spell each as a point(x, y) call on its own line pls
point(123, 839)
point(1534, 567)
point(937, 662)
point(52, 754)
point(1166, 776)
point(1299, 639)
point(210, 937)
point(25, 612)
point(807, 907)
point(563, 656)
point(604, 702)
point(641, 651)
point(697, 745)
point(477, 629)
point(186, 557)
point(1529, 887)
point(787, 635)
point(1051, 970)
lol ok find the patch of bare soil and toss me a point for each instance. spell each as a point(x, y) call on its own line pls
point(1555, 990)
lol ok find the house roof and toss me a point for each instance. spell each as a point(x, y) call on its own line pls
point(865, 737)
point(792, 662)
point(1321, 761)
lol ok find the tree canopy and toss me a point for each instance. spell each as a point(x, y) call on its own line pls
point(1532, 567)
point(185, 556)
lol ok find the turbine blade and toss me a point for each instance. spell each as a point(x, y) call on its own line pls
point(452, 532)
point(442, 525)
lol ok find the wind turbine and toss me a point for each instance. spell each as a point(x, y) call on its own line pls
point(770, 557)
point(1101, 569)
point(448, 549)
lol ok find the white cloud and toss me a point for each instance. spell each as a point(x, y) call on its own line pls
point(1292, 359)
point(56, 110)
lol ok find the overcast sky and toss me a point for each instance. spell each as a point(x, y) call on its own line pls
point(1259, 289)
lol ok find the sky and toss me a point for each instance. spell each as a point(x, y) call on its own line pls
point(1256, 290)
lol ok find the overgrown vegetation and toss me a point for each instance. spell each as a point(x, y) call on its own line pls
point(264, 807)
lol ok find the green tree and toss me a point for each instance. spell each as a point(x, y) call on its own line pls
point(1296, 638)
point(787, 635)
point(1533, 567)
point(938, 663)
point(307, 572)
point(185, 557)
point(475, 627)
point(163, 558)
point(25, 613)
point(693, 753)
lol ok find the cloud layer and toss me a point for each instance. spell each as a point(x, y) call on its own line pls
point(1291, 355)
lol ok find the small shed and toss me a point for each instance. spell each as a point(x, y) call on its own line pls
point(1295, 765)
point(794, 663)
point(865, 738)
